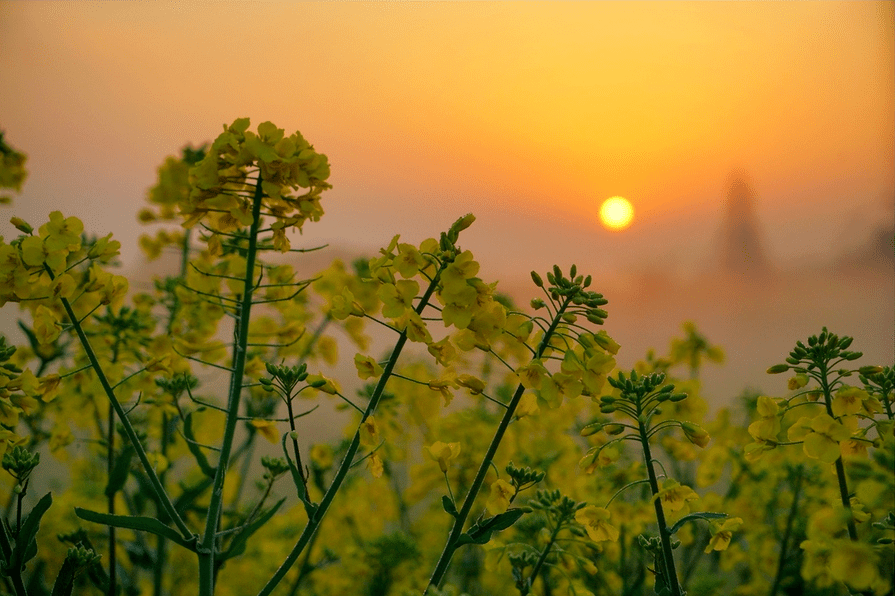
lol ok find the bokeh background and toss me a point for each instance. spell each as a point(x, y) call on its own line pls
point(755, 140)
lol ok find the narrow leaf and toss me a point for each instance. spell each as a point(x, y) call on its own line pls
point(194, 448)
point(133, 522)
point(26, 543)
point(119, 471)
point(238, 546)
point(448, 505)
point(310, 508)
point(66, 579)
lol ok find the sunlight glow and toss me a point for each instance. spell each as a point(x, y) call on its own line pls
point(616, 213)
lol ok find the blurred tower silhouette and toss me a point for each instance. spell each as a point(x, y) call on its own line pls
point(741, 250)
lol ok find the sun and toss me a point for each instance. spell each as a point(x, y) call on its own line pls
point(616, 213)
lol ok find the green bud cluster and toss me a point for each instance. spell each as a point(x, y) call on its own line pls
point(523, 478)
point(275, 466)
point(878, 380)
point(6, 352)
point(573, 288)
point(285, 378)
point(558, 506)
point(820, 351)
point(177, 384)
point(82, 557)
point(20, 462)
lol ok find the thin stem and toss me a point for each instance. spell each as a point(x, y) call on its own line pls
point(207, 544)
point(460, 520)
point(665, 537)
point(840, 467)
point(526, 587)
point(316, 517)
point(128, 427)
point(790, 519)
point(298, 463)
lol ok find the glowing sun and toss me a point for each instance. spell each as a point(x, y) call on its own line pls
point(616, 213)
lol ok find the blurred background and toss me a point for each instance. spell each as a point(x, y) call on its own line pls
point(755, 141)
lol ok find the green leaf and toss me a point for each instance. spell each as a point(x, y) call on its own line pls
point(134, 522)
point(706, 515)
point(480, 532)
point(26, 542)
point(195, 449)
point(120, 471)
point(448, 505)
point(238, 546)
point(66, 579)
point(310, 508)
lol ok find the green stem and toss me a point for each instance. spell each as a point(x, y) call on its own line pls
point(110, 464)
point(158, 569)
point(160, 492)
point(315, 519)
point(206, 546)
point(840, 467)
point(790, 520)
point(526, 587)
point(664, 536)
point(445, 559)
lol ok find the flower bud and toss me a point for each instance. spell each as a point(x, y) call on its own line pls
point(778, 368)
point(695, 434)
point(21, 225)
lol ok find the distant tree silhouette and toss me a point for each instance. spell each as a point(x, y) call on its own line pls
point(741, 248)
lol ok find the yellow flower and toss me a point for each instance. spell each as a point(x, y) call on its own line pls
point(766, 429)
point(797, 382)
point(603, 340)
point(397, 297)
point(695, 434)
point(443, 351)
point(722, 534)
point(61, 233)
point(528, 405)
point(409, 260)
point(473, 384)
point(501, 493)
point(848, 401)
point(329, 386)
point(596, 523)
point(267, 429)
point(443, 385)
point(46, 326)
point(822, 441)
point(366, 367)
point(369, 432)
point(674, 496)
point(322, 456)
point(375, 465)
point(413, 325)
point(554, 389)
point(531, 374)
point(855, 564)
point(443, 453)
point(344, 305)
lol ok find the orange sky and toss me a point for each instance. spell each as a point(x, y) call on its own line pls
point(527, 114)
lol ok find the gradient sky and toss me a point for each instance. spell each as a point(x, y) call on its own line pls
point(527, 114)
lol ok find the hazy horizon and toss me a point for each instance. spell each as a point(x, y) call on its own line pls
point(529, 115)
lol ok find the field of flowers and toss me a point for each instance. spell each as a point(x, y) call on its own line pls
point(493, 448)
